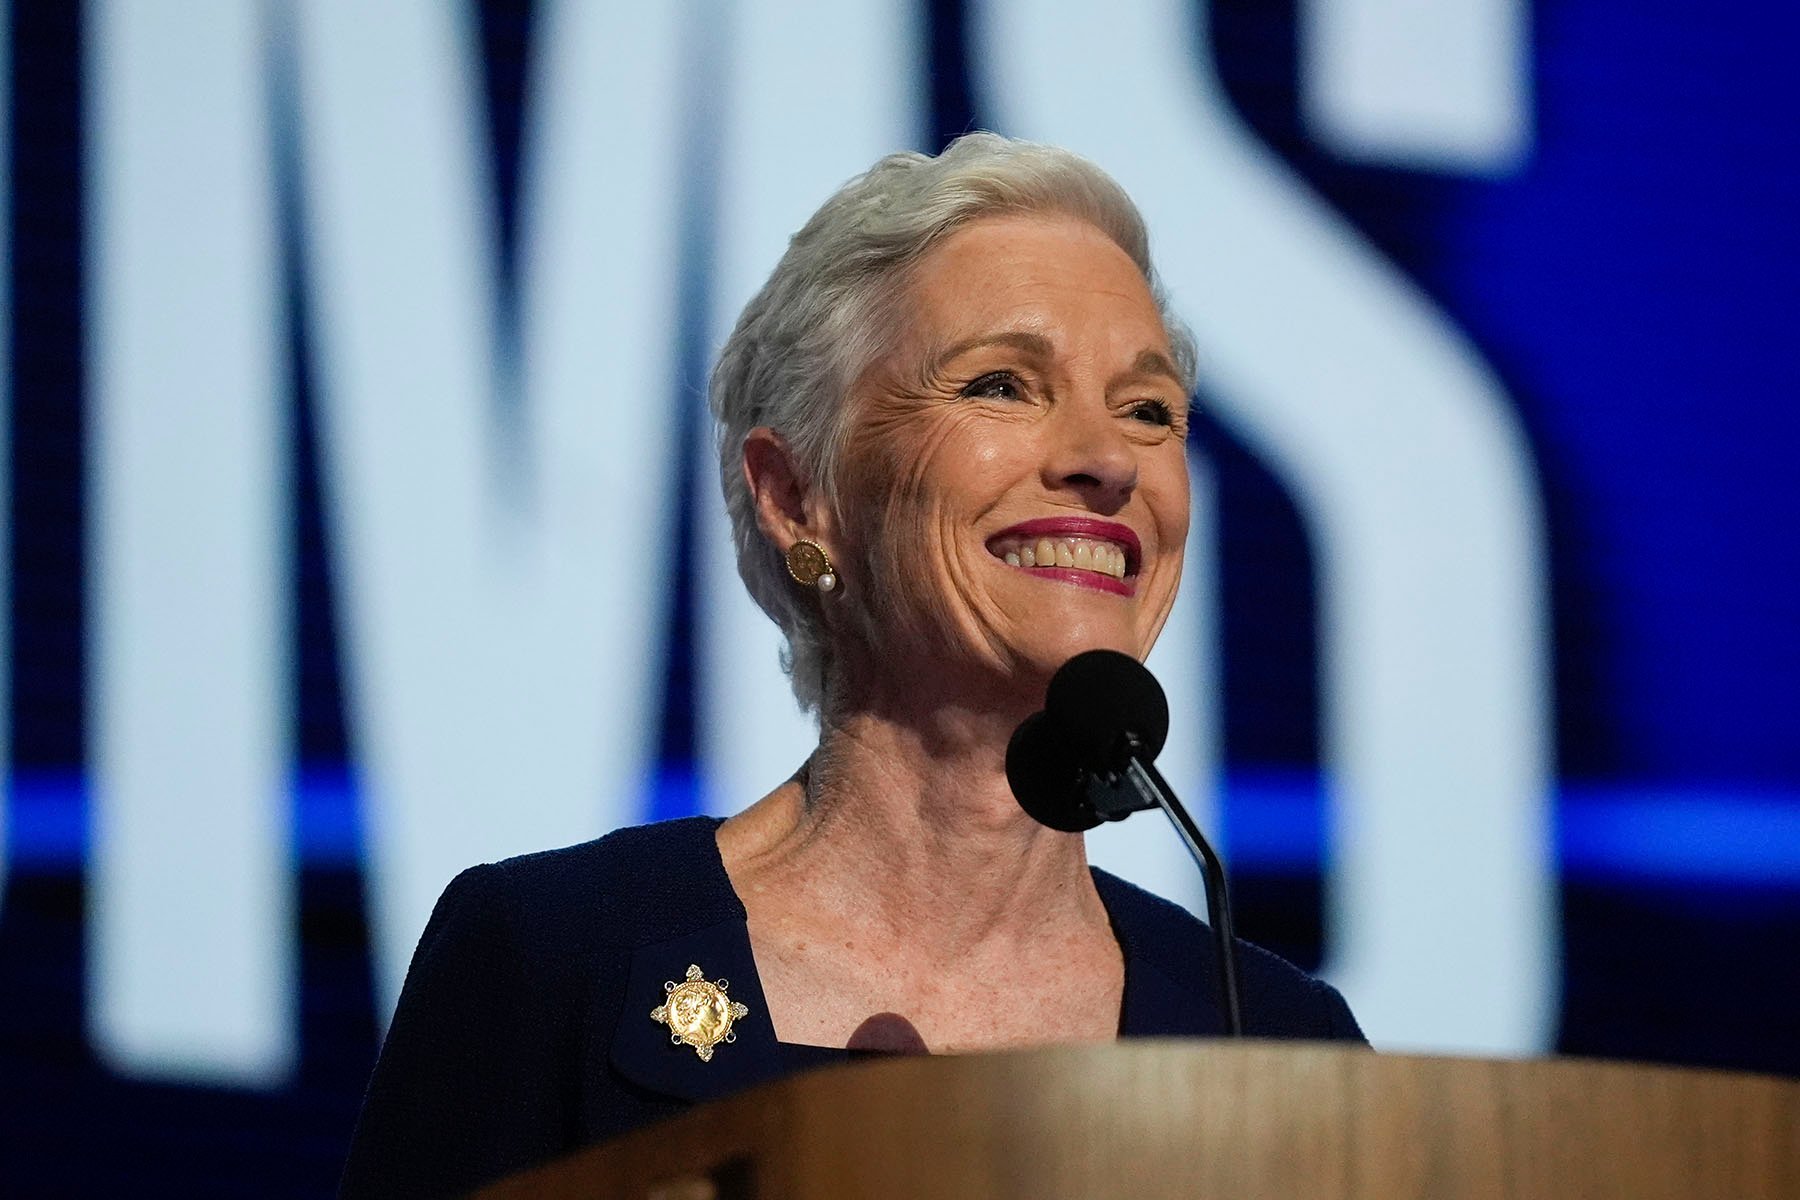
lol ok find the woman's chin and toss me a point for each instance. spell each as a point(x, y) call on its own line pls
point(1045, 657)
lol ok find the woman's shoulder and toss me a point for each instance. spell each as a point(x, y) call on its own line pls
point(643, 856)
point(1279, 999)
point(510, 1003)
point(641, 883)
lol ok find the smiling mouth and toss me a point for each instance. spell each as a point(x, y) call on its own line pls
point(1084, 551)
point(1070, 553)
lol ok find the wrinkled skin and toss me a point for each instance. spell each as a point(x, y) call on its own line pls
point(1031, 378)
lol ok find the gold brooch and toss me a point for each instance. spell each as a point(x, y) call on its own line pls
point(699, 1013)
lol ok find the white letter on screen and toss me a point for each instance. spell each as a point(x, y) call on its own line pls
point(192, 941)
point(1435, 84)
point(504, 573)
point(1403, 454)
point(782, 152)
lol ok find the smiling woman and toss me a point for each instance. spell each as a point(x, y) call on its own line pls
point(986, 274)
point(1038, 423)
point(952, 442)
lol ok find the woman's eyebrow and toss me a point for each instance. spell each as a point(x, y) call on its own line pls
point(1152, 362)
point(1034, 344)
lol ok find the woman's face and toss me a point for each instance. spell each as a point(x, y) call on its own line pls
point(1015, 479)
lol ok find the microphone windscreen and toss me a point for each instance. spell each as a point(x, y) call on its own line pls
point(1098, 696)
point(1046, 777)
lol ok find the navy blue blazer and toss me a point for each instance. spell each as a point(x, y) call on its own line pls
point(523, 1031)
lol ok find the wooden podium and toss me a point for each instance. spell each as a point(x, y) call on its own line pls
point(1204, 1119)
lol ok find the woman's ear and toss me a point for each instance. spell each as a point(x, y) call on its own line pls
point(784, 497)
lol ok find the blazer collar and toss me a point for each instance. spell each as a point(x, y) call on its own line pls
point(1156, 1005)
point(1167, 965)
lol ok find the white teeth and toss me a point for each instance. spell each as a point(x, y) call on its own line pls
point(1076, 553)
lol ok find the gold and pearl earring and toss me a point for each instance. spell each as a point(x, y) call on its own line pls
point(810, 566)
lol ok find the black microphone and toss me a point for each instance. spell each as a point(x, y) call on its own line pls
point(1089, 757)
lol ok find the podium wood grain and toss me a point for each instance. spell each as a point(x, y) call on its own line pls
point(1199, 1119)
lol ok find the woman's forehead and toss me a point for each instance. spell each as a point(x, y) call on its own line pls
point(1033, 285)
point(1046, 245)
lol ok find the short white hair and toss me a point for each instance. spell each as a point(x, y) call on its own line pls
point(817, 325)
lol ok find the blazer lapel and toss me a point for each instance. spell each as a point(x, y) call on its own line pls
point(1157, 1006)
point(641, 1050)
point(1168, 989)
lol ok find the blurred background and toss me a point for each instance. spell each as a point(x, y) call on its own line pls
point(362, 520)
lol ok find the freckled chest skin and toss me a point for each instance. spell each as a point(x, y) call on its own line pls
point(839, 967)
point(910, 886)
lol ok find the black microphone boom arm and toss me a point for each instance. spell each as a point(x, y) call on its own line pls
point(1142, 777)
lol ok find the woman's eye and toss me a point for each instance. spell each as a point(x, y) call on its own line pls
point(997, 385)
point(1153, 412)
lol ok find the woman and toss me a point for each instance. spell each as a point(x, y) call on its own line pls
point(952, 445)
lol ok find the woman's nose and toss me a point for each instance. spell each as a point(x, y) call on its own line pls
point(1091, 455)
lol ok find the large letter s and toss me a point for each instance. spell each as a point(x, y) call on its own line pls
point(1402, 452)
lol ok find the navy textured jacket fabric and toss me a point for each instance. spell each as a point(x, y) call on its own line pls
point(524, 1030)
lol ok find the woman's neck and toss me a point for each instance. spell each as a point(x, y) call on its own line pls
point(903, 827)
point(894, 884)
